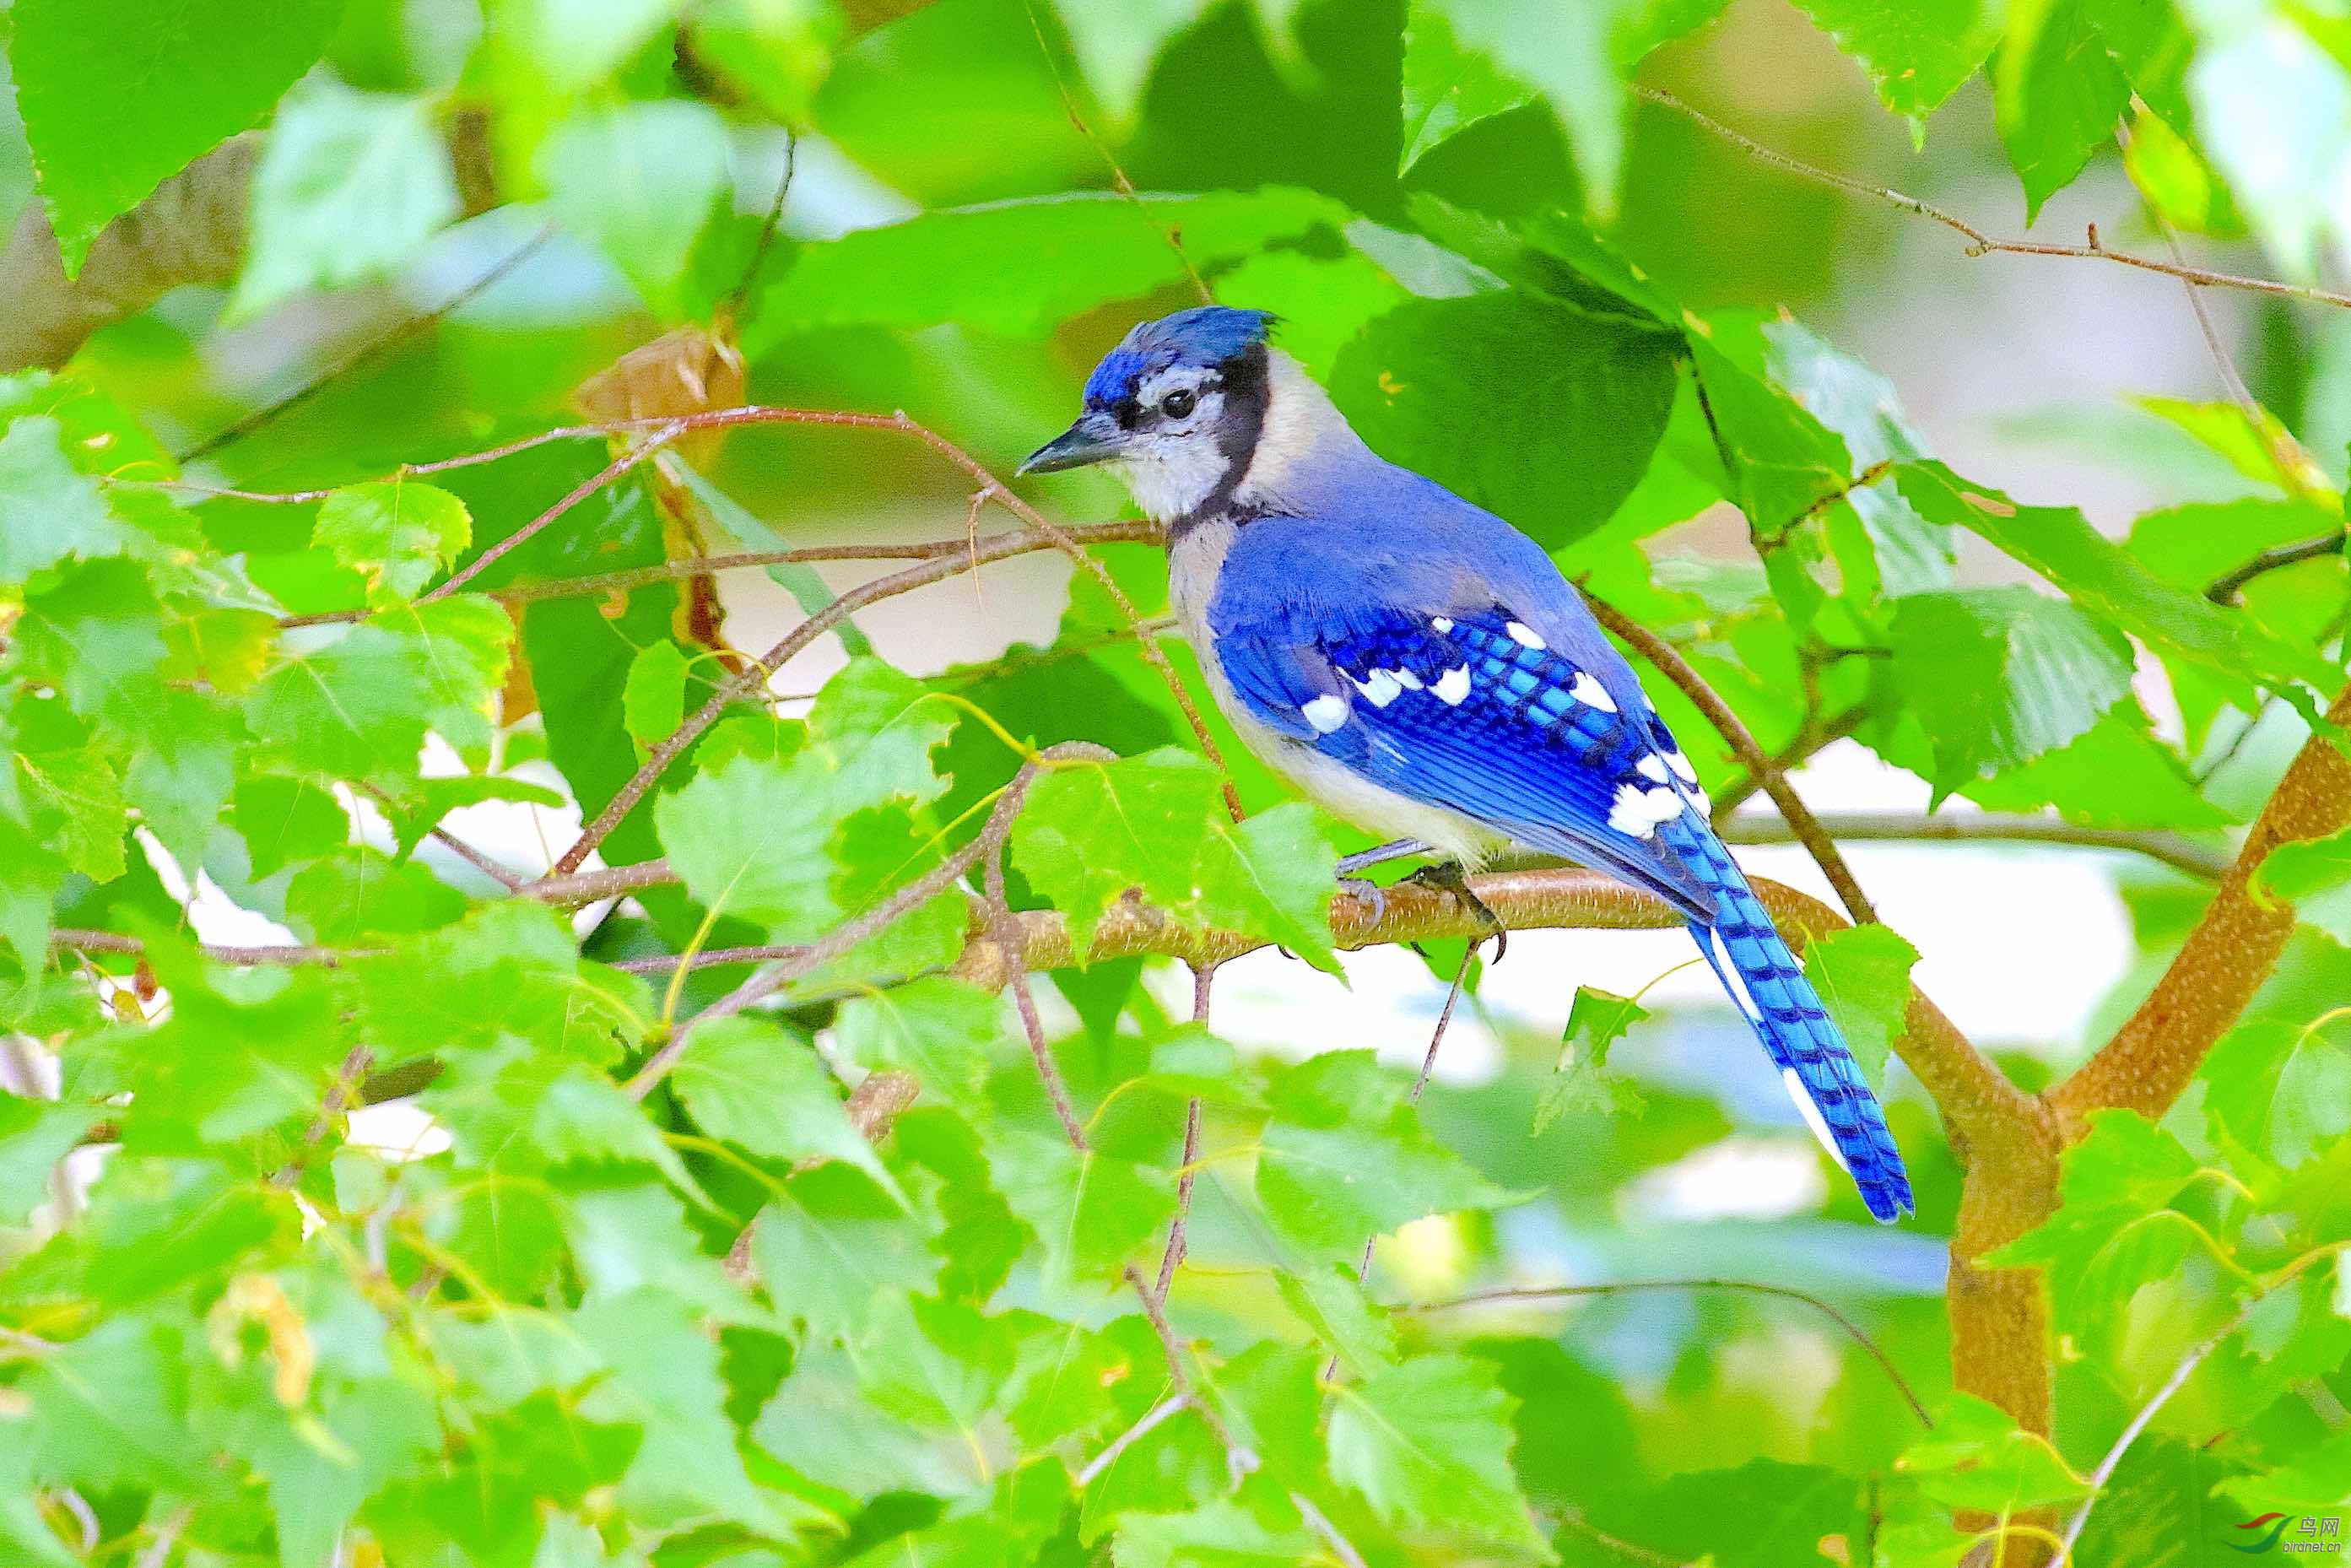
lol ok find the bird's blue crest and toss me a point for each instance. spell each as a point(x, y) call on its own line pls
point(1204, 335)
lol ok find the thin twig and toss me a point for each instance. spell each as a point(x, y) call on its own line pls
point(540, 524)
point(731, 308)
point(1204, 976)
point(511, 880)
point(708, 958)
point(1979, 242)
point(269, 412)
point(336, 1101)
point(1341, 1547)
point(666, 429)
point(1668, 662)
point(2173, 849)
point(571, 890)
point(1135, 531)
point(75, 939)
point(2225, 588)
point(1427, 1067)
point(1539, 1293)
point(1172, 1406)
point(1240, 1462)
point(1005, 928)
point(781, 972)
point(1626, 1549)
point(1167, 233)
point(751, 679)
point(2162, 1396)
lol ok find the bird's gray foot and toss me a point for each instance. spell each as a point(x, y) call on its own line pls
point(1365, 891)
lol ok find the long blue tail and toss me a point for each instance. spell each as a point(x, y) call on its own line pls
point(1764, 978)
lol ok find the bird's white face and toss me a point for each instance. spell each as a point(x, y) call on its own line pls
point(1173, 456)
point(1180, 434)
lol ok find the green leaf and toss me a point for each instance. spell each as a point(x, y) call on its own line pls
point(34, 1135)
point(1020, 267)
point(662, 1377)
point(822, 1424)
point(1909, 553)
point(1466, 60)
point(943, 1031)
point(1157, 823)
point(1428, 1444)
point(642, 181)
point(1115, 44)
point(652, 702)
point(351, 186)
point(2283, 1092)
point(2101, 578)
point(563, 45)
point(1447, 88)
point(1977, 1457)
point(2099, 1246)
point(48, 511)
point(2314, 875)
point(753, 1084)
point(1092, 1211)
point(2116, 774)
point(775, 52)
point(1765, 1512)
point(754, 838)
point(830, 1246)
point(749, 838)
point(286, 819)
point(1542, 413)
point(1998, 676)
point(2059, 96)
point(1221, 1534)
point(96, 633)
point(1863, 973)
point(1345, 1158)
point(1580, 1080)
point(398, 535)
point(359, 706)
point(110, 1409)
point(1917, 52)
point(100, 153)
point(1335, 1305)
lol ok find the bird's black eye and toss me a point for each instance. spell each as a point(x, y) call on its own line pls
point(1179, 402)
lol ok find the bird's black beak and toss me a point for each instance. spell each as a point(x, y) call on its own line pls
point(1092, 439)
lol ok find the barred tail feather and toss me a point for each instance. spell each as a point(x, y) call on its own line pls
point(1821, 1075)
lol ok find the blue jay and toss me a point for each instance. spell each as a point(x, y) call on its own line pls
point(1421, 668)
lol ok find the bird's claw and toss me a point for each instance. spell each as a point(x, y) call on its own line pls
point(1365, 891)
point(1448, 876)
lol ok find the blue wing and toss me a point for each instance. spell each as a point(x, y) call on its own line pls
point(1522, 716)
point(1476, 713)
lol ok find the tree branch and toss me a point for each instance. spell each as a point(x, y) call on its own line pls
point(1668, 662)
point(1971, 1090)
point(2225, 959)
point(1539, 1293)
point(2225, 589)
point(2173, 849)
point(987, 845)
point(1979, 242)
